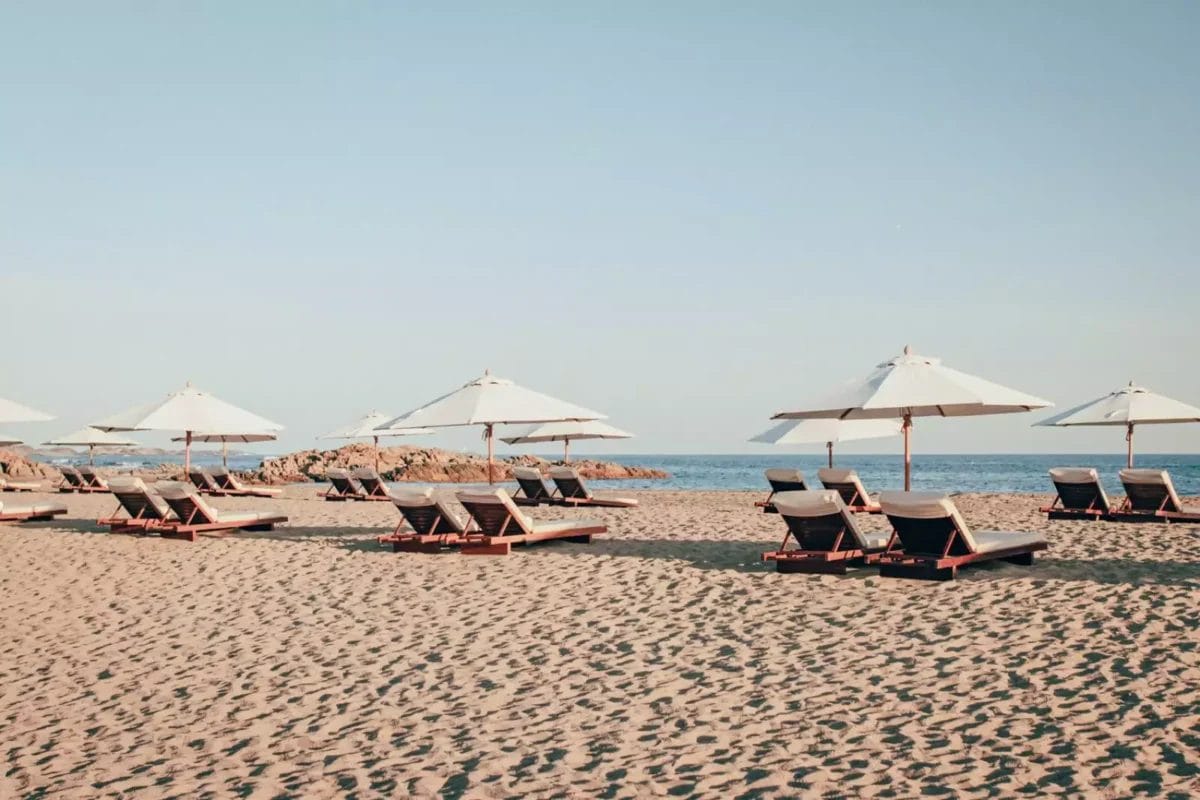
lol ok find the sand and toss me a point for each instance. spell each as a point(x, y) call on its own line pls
point(662, 660)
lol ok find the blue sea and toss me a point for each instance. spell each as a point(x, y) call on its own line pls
point(965, 473)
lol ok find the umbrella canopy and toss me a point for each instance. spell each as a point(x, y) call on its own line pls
point(1128, 406)
point(828, 432)
point(368, 426)
point(91, 438)
point(912, 385)
point(491, 401)
point(15, 412)
point(226, 438)
point(188, 410)
point(7, 439)
point(566, 432)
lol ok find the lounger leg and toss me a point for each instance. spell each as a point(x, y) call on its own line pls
point(499, 549)
point(920, 572)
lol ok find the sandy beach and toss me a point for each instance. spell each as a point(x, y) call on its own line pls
point(662, 660)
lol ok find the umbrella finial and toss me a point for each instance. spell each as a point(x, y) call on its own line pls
point(908, 349)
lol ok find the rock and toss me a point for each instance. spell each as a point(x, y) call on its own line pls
point(424, 465)
point(18, 466)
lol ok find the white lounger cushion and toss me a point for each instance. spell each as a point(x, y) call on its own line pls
point(19, 486)
point(366, 473)
point(527, 474)
point(827, 503)
point(1074, 475)
point(783, 474)
point(569, 473)
point(934, 505)
point(34, 509)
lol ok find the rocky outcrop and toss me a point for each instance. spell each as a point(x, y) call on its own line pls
point(424, 465)
point(18, 466)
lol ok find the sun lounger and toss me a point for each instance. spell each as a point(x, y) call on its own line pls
point(342, 486)
point(373, 486)
point(72, 480)
point(847, 484)
point(34, 512)
point(533, 489)
point(1080, 495)
point(781, 480)
point(204, 482)
point(1150, 497)
point(427, 525)
point(92, 482)
point(573, 491)
point(501, 524)
point(931, 540)
point(7, 484)
point(827, 536)
point(144, 509)
point(195, 515)
point(228, 483)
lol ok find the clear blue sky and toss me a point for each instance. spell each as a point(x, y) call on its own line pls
point(687, 215)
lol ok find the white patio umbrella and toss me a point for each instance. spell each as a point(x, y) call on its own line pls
point(828, 431)
point(490, 401)
point(91, 438)
point(7, 438)
point(188, 410)
point(911, 385)
point(225, 439)
point(1128, 406)
point(368, 427)
point(566, 432)
point(15, 412)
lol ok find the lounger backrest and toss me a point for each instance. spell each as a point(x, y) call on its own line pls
point(201, 478)
point(532, 485)
point(223, 477)
point(925, 521)
point(370, 480)
point(90, 478)
point(1079, 489)
point(495, 513)
point(569, 483)
point(187, 503)
point(846, 483)
point(786, 480)
point(1150, 490)
point(426, 513)
point(341, 480)
point(816, 518)
point(72, 476)
point(137, 499)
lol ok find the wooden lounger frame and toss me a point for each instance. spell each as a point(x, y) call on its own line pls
point(335, 495)
point(494, 522)
point(825, 546)
point(932, 535)
point(145, 517)
point(536, 493)
point(87, 487)
point(1076, 494)
point(374, 489)
point(1138, 506)
point(428, 530)
point(854, 499)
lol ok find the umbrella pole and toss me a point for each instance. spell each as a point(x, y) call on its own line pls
point(829, 447)
point(1129, 446)
point(907, 427)
point(376, 438)
point(91, 455)
point(566, 450)
point(187, 452)
point(491, 448)
point(225, 454)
